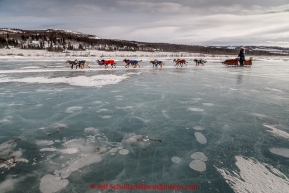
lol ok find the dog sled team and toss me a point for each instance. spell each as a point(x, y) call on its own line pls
point(178, 62)
point(133, 63)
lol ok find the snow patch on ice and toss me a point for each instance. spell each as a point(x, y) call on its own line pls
point(199, 128)
point(102, 110)
point(255, 177)
point(199, 156)
point(196, 109)
point(197, 99)
point(80, 163)
point(113, 150)
point(198, 165)
point(44, 142)
point(176, 159)
point(106, 116)
point(280, 151)
point(124, 108)
point(208, 104)
point(200, 138)
point(88, 129)
point(72, 109)
point(51, 184)
point(66, 151)
point(277, 132)
point(93, 81)
point(123, 151)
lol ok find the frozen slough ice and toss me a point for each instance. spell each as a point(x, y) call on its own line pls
point(8, 184)
point(164, 112)
point(141, 119)
point(5, 119)
point(255, 177)
point(280, 151)
point(198, 165)
point(91, 152)
point(200, 138)
point(199, 156)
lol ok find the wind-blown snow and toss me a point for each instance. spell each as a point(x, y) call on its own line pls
point(280, 151)
point(255, 177)
point(277, 132)
point(92, 81)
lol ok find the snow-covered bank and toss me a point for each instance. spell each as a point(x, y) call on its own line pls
point(15, 53)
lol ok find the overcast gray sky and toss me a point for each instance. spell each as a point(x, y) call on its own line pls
point(194, 22)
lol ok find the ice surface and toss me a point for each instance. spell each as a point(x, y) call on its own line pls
point(8, 184)
point(150, 126)
point(164, 112)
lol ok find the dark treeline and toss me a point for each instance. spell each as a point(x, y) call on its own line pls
point(60, 40)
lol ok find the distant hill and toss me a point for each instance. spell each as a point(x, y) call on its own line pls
point(58, 40)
